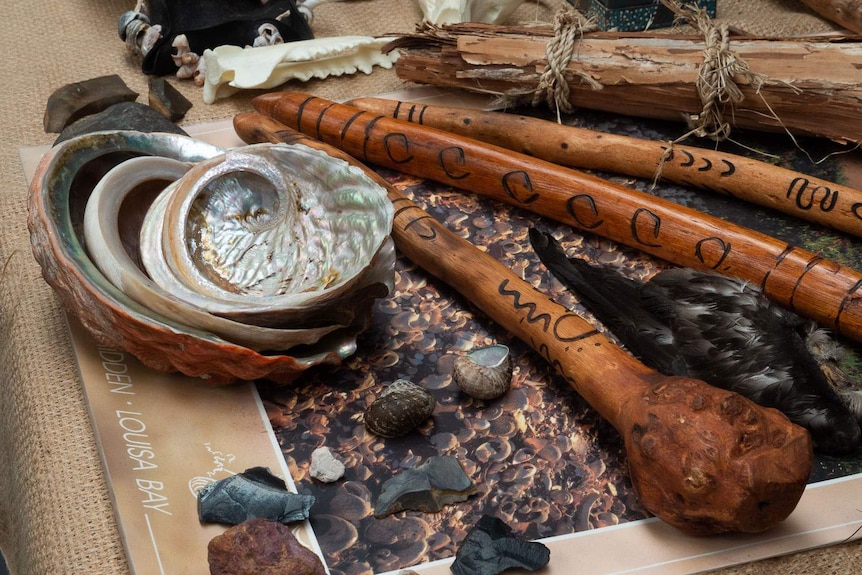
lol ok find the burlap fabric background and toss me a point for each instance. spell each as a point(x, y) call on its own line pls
point(55, 511)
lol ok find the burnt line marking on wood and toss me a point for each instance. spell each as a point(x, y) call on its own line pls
point(812, 263)
point(456, 156)
point(530, 307)
point(724, 246)
point(845, 302)
point(320, 121)
point(689, 161)
point(300, 110)
point(429, 236)
point(780, 258)
point(368, 128)
point(349, 123)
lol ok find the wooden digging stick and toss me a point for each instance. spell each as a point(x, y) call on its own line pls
point(797, 279)
point(793, 193)
point(702, 459)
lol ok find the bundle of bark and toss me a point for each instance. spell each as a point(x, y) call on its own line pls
point(805, 86)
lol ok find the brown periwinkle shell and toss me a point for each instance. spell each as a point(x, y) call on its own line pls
point(400, 408)
point(484, 373)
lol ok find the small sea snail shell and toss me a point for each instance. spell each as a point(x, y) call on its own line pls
point(401, 407)
point(484, 373)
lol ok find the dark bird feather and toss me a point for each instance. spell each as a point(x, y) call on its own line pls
point(724, 331)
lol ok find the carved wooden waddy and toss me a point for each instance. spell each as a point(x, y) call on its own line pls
point(740, 468)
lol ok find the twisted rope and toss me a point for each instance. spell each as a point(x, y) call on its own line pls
point(716, 82)
point(553, 88)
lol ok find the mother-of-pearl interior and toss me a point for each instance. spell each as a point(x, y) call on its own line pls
point(246, 222)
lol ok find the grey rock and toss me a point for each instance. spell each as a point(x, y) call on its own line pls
point(437, 482)
point(123, 116)
point(490, 548)
point(254, 493)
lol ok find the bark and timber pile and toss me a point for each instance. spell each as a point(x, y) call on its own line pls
point(807, 86)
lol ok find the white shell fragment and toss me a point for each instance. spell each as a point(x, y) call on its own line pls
point(229, 69)
point(484, 373)
point(324, 466)
point(440, 12)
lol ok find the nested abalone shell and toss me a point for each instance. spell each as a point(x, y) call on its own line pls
point(484, 373)
point(400, 408)
point(272, 234)
point(169, 338)
point(111, 241)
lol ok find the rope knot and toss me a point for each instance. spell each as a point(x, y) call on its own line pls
point(569, 26)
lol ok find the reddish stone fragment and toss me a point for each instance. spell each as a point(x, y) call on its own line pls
point(261, 547)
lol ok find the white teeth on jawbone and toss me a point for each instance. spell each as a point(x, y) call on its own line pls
point(229, 69)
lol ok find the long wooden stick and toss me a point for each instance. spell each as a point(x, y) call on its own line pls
point(704, 460)
point(793, 193)
point(797, 279)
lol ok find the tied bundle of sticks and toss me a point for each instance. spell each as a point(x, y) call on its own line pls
point(712, 79)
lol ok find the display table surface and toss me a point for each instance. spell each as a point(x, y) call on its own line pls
point(56, 510)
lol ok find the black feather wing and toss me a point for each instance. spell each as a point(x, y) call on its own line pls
point(615, 301)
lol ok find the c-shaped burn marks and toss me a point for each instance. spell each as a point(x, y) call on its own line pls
point(453, 161)
point(702, 251)
point(689, 159)
point(576, 206)
point(427, 232)
point(518, 186)
point(653, 221)
point(397, 147)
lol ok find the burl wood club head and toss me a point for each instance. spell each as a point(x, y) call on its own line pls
point(702, 459)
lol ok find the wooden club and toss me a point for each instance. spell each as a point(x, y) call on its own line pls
point(702, 459)
point(799, 280)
